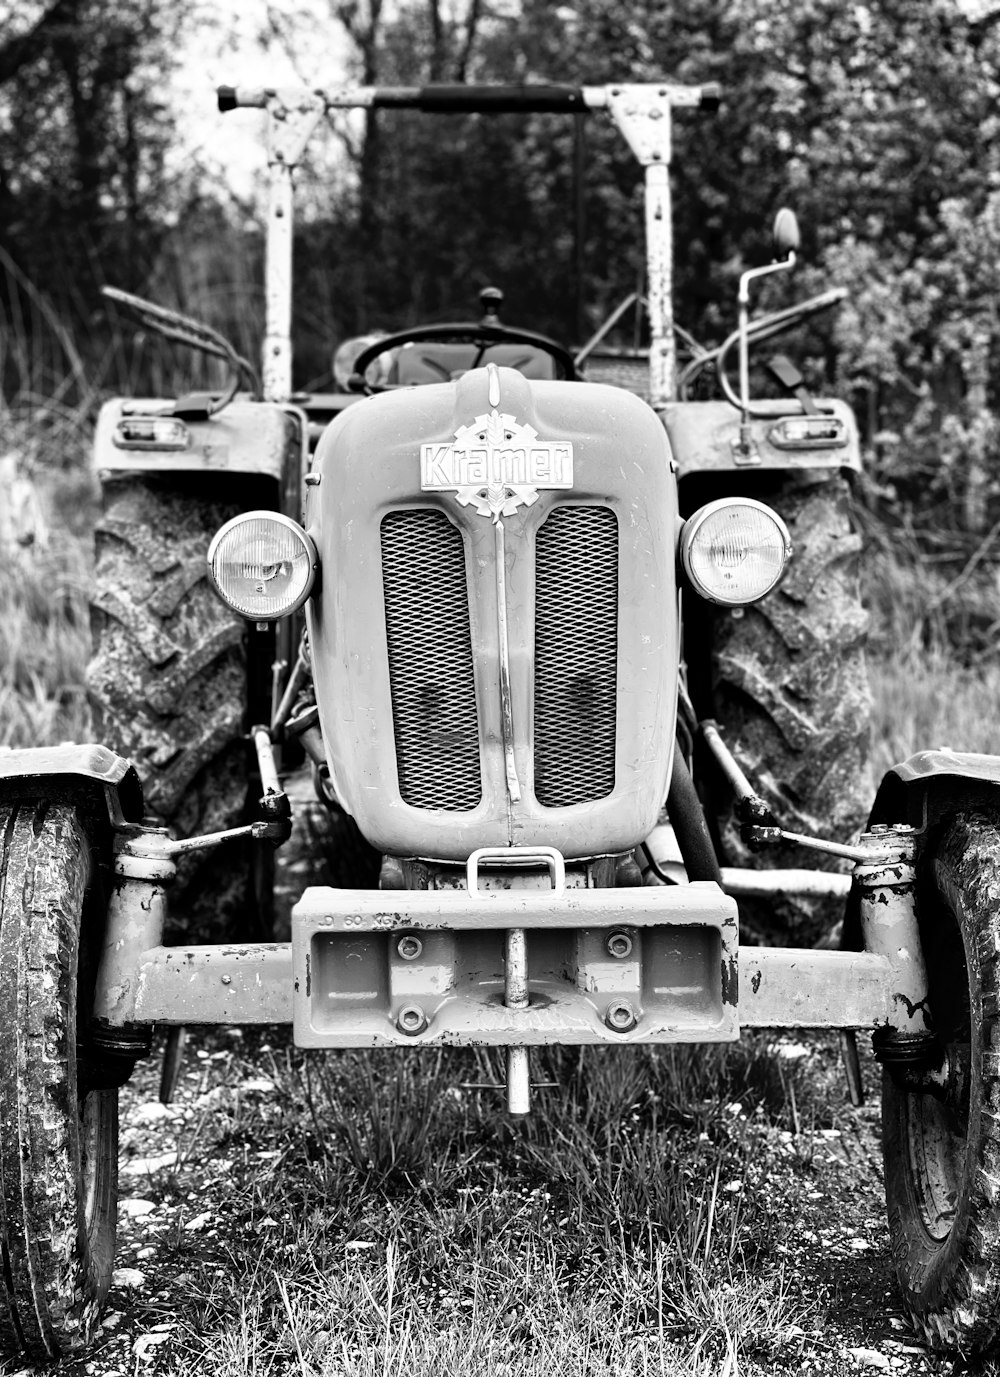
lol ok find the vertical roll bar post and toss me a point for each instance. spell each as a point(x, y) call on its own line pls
point(642, 113)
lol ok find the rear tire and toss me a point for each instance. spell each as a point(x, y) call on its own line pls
point(58, 1138)
point(789, 687)
point(942, 1157)
point(168, 685)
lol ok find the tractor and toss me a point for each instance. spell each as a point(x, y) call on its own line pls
point(576, 668)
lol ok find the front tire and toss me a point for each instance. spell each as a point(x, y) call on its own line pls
point(942, 1152)
point(58, 1135)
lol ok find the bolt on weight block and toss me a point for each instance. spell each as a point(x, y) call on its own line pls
point(591, 966)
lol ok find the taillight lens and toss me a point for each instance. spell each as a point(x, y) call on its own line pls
point(735, 550)
point(262, 565)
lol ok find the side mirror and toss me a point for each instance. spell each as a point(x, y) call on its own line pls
point(785, 235)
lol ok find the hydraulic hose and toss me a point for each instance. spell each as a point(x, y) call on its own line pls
point(690, 828)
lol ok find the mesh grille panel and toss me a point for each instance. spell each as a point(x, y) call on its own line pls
point(576, 655)
point(435, 723)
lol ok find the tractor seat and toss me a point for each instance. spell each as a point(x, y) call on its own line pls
point(418, 363)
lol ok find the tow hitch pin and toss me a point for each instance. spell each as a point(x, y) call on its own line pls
point(516, 997)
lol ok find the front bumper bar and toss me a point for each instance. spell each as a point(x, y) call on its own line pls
point(348, 976)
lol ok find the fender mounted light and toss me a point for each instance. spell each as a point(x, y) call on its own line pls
point(151, 432)
point(734, 550)
point(262, 565)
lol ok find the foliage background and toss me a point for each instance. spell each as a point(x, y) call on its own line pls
point(679, 1213)
point(876, 121)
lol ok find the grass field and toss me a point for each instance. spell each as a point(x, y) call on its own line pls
point(687, 1212)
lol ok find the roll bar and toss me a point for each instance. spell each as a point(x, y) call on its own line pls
point(642, 113)
point(535, 98)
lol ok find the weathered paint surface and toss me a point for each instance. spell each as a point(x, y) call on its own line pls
point(702, 435)
point(247, 437)
point(678, 970)
point(215, 984)
point(622, 464)
point(88, 762)
point(782, 987)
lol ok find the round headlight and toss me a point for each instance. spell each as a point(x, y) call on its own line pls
point(734, 551)
point(262, 565)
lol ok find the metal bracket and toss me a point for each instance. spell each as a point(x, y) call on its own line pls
point(291, 126)
point(744, 450)
point(642, 113)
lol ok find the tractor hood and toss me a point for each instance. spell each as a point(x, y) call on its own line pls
point(495, 632)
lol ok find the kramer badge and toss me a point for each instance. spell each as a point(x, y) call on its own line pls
point(495, 463)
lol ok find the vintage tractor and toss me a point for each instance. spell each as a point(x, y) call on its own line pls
point(495, 569)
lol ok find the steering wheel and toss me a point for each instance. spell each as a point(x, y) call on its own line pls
point(481, 335)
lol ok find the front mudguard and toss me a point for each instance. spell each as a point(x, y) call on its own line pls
point(931, 786)
point(924, 791)
point(104, 785)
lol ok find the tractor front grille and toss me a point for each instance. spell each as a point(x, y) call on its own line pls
point(576, 655)
point(435, 723)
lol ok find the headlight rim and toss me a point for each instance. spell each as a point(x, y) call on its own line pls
point(696, 521)
point(288, 523)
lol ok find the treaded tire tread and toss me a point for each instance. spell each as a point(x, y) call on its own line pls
point(790, 691)
point(57, 1265)
point(952, 1287)
point(167, 680)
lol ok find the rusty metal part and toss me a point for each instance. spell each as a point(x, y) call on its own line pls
point(94, 766)
point(246, 438)
point(515, 995)
point(680, 977)
point(618, 944)
point(667, 866)
point(173, 1061)
point(659, 274)
point(784, 987)
point(620, 1016)
point(852, 1066)
point(411, 1020)
point(230, 984)
point(705, 437)
point(136, 913)
point(886, 887)
point(265, 760)
point(515, 988)
point(753, 808)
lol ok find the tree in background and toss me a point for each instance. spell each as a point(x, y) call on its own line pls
point(876, 121)
point(83, 132)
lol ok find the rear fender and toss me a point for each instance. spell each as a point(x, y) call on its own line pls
point(244, 438)
point(103, 784)
point(704, 438)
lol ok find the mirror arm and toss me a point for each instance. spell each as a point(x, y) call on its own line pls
point(746, 443)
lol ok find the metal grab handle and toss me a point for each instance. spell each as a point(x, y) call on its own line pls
point(530, 98)
point(546, 856)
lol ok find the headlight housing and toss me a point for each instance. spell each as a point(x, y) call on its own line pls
point(262, 565)
point(734, 550)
